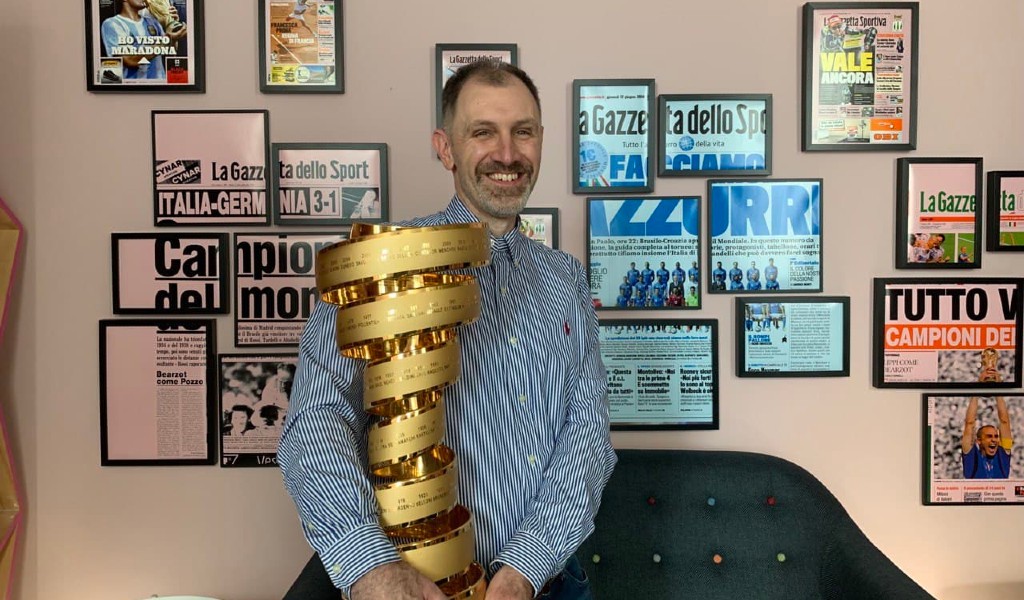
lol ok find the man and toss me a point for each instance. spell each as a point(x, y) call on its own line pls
point(658, 289)
point(139, 60)
point(986, 453)
point(692, 299)
point(647, 274)
point(936, 253)
point(771, 275)
point(678, 271)
point(632, 275)
point(718, 276)
point(662, 274)
point(625, 289)
point(694, 274)
point(753, 277)
point(534, 451)
point(777, 314)
point(735, 277)
point(676, 291)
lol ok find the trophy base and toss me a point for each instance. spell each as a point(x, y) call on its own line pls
point(471, 583)
point(175, 27)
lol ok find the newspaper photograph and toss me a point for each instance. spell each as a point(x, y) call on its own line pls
point(144, 45)
point(614, 137)
point(860, 75)
point(170, 273)
point(938, 216)
point(275, 285)
point(301, 46)
point(157, 392)
point(644, 253)
point(765, 236)
point(943, 333)
point(254, 394)
point(1005, 221)
point(790, 336)
point(968, 449)
point(661, 374)
point(210, 167)
point(721, 134)
point(449, 58)
point(329, 184)
point(540, 224)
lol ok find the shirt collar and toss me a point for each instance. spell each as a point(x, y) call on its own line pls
point(513, 243)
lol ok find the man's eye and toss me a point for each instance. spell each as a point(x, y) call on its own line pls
point(481, 133)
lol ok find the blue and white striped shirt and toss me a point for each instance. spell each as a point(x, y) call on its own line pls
point(527, 418)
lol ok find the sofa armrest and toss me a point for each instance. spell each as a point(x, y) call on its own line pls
point(854, 568)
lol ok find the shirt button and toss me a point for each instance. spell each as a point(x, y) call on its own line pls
point(504, 290)
point(532, 459)
point(513, 340)
point(336, 569)
point(522, 398)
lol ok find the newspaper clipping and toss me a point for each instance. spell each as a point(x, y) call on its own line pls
point(170, 273)
point(861, 62)
point(645, 252)
point(792, 337)
point(275, 286)
point(156, 393)
point(1006, 210)
point(254, 394)
point(540, 225)
point(210, 167)
point(716, 135)
point(149, 45)
point(330, 184)
point(613, 132)
point(942, 210)
point(661, 374)
point(969, 449)
point(765, 236)
point(301, 49)
point(943, 333)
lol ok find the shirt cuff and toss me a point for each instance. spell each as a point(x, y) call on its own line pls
point(531, 557)
point(357, 553)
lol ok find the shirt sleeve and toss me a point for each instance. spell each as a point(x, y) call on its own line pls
point(322, 457)
point(562, 514)
point(111, 36)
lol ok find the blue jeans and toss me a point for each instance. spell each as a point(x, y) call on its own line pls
point(570, 584)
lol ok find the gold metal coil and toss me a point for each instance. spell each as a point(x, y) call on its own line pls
point(470, 583)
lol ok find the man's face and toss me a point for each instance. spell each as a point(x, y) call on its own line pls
point(988, 440)
point(137, 4)
point(493, 147)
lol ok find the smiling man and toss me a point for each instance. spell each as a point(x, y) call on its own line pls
point(528, 416)
point(986, 454)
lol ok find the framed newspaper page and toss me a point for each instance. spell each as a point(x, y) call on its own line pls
point(540, 224)
point(302, 46)
point(449, 58)
point(211, 167)
point(151, 46)
point(169, 273)
point(947, 333)
point(968, 446)
point(764, 236)
point(860, 76)
point(329, 184)
point(158, 392)
point(793, 336)
point(662, 374)
point(938, 213)
point(714, 134)
point(613, 142)
point(275, 285)
point(644, 253)
point(1005, 215)
point(254, 394)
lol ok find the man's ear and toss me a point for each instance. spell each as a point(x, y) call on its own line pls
point(443, 148)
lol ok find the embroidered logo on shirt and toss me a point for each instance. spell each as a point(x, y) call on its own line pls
point(566, 324)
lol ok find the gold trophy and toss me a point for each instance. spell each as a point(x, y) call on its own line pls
point(161, 11)
point(398, 308)
point(989, 366)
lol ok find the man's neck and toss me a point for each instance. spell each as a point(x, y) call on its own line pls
point(128, 11)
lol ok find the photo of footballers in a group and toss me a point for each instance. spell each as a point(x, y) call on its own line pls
point(300, 46)
point(753, 278)
point(659, 286)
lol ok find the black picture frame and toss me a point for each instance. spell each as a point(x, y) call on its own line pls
point(186, 153)
point(619, 240)
point(1005, 195)
point(198, 262)
point(304, 77)
point(860, 73)
point(313, 191)
point(133, 364)
point(547, 218)
point(712, 129)
point(939, 332)
point(633, 117)
point(951, 479)
point(808, 322)
point(179, 70)
point(448, 55)
point(682, 357)
point(743, 215)
point(257, 385)
point(918, 232)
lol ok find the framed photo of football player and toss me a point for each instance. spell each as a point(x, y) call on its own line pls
point(860, 72)
point(449, 58)
point(301, 46)
point(144, 46)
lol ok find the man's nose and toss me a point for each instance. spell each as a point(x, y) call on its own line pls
point(505, 151)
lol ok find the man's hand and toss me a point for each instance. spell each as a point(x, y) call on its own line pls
point(396, 581)
point(508, 584)
point(179, 34)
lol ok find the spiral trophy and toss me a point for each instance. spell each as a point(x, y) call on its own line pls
point(398, 307)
